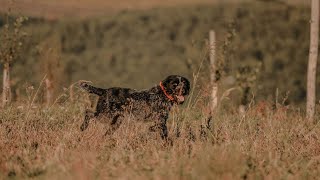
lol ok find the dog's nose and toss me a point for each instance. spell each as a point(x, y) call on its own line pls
point(180, 98)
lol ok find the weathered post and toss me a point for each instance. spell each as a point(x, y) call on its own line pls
point(214, 83)
point(49, 89)
point(313, 56)
point(6, 92)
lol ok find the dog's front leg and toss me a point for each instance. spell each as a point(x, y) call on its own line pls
point(161, 125)
point(163, 130)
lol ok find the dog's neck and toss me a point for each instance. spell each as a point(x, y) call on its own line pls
point(164, 91)
point(158, 90)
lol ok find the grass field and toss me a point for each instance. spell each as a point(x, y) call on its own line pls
point(264, 144)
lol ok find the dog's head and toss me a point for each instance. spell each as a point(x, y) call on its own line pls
point(176, 88)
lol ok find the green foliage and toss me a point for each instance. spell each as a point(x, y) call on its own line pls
point(138, 48)
point(11, 38)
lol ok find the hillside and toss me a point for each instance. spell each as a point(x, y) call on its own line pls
point(138, 48)
point(58, 9)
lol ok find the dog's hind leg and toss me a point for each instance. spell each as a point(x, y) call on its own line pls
point(115, 124)
point(88, 116)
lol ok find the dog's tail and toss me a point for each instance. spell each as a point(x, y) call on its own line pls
point(91, 89)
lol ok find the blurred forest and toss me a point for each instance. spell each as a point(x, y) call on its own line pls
point(138, 48)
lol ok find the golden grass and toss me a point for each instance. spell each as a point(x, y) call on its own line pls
point(47, 144)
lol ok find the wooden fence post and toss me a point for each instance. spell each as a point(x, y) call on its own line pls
point(313, 56)
point(6, 96)
point(71, 92)
point(214, 83)
point(49, 90)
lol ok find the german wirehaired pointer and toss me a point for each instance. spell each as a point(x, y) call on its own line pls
point(154, 104)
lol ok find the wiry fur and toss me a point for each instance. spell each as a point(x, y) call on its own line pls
point(115, 103)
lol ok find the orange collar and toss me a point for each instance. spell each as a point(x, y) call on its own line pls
point(165, 92)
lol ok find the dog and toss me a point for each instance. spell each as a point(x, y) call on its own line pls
point(154, 104)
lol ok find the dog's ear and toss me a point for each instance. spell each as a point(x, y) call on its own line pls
point(186, 86)
point(169, 82)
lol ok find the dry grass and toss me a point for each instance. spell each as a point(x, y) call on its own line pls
point(47, 144)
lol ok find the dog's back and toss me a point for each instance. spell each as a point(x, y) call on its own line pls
point(142, 105)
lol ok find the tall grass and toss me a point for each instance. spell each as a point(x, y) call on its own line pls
point(47, 144)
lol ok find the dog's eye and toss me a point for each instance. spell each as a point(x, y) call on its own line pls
point(174, 85)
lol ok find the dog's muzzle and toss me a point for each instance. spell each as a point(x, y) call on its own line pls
point(180, 98)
